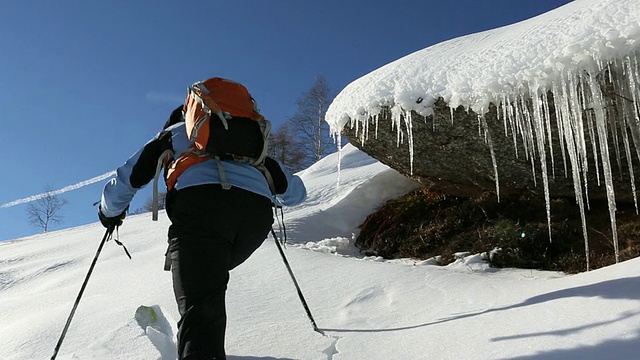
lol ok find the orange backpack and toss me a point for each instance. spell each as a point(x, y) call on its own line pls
point(223, 123)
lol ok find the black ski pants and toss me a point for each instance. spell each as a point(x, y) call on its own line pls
point(212, 231)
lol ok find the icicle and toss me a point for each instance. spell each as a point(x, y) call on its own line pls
point(613, 120)
point(529, 139)
point(528, 118)
point(365, 127)
point(624, 100)
point(556, 101)
point(573, 151)
point(339, 160)
point(482, 119)
point(628, 118)
point(601, 123)
point(395, 124)
point(409, 125)
point(568, 112)
point(377, 120)
point(633, 77)
point(517, 118)
point(547, 117)
point(577, 92)
point(451, 110)
point(574, 113)
point(538, 125)
point(514, 129)
point(590, 117)
point(500, 113)
point(627, 148)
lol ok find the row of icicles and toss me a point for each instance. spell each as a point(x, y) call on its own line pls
point(579, 105)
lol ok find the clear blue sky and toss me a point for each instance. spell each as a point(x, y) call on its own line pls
point(84, 84)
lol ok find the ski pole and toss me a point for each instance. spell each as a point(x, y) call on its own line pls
point(106, 236)
point(295, 282)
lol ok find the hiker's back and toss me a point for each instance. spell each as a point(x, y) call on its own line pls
point(222, 122)
point(240, 174)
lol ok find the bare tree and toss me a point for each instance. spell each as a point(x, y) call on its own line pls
point(308, 121)
point(287, 149)
point(45, 210)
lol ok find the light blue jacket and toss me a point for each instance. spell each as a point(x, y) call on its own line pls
point(140, 168)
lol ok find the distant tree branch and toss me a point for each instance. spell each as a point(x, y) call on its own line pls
point(45, 211)
point(308, 121)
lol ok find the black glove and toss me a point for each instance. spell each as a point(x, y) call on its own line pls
point(111, 222)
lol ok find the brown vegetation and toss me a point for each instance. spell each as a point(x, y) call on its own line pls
point(424, 224)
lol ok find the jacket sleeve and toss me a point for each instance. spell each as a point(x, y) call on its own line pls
point(136, 172)
point(294, 190)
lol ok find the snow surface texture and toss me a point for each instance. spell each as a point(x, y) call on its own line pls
point(563, 52)
point(369, 308)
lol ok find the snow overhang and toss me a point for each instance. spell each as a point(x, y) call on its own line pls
point(476, 70)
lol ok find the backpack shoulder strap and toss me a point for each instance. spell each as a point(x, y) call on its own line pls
point(267, 175)
point(222, 174)
point(164, 158)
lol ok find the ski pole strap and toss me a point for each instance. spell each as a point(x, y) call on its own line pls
point(284, 227)
point(281, 227)
point(120, 243)
point(124, 247)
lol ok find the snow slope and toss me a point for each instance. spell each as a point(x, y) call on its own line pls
point(368, 308)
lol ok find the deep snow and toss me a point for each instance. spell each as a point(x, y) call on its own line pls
point(369, 308)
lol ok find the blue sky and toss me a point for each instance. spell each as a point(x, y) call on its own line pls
point(85, 84)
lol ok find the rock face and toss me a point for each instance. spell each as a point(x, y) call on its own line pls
point(452, 154)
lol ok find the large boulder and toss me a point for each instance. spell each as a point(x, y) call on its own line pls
point(452, 153)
